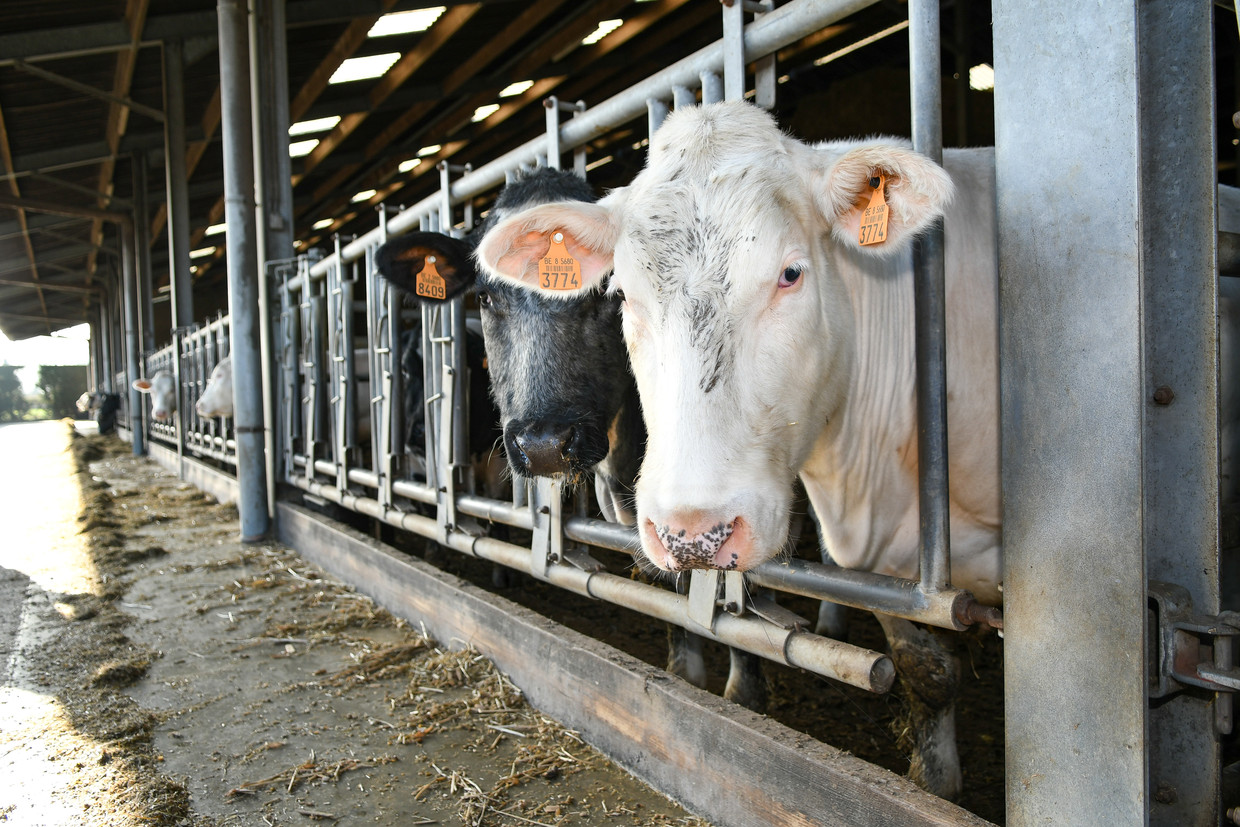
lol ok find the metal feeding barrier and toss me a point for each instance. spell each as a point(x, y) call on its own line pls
point(341, 330)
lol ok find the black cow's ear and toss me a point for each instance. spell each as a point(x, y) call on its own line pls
point(413, 262)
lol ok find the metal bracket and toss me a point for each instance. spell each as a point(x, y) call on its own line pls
point(1193, 650)
point(547, 546)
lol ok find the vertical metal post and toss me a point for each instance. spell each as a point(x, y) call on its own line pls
point(656, 113)
point(243, 277)
point(925, 76)
point(766, 74)
point(552, 105)
point(1070, 195)
point(106, 322)
point(177, 184)
point(269, 61)
point(733, 50)
point(129, 305)
point(712, 87)
point(142, 251)
point(1175, 110)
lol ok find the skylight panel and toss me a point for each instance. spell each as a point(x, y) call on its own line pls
point(313, 125)
point(405, 22)
point(982, 78)
point(514, 89)
point(364, 68)
point(364, 195)
point(216, 229)
point(484, 112)
point(323, 223)
point(299, 148)
point(605, 28)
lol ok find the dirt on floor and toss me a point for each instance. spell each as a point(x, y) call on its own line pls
point(189, 679)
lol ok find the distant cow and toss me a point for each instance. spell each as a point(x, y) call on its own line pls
point(163, 390)
point(103, 406)
point(769, 318)
point(217, 396)
point(559, 374)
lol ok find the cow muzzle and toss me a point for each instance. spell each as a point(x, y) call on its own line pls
point(547, 449)
point(697, 541)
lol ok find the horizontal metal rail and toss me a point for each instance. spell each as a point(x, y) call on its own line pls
point(766, 35)
point(834, 659)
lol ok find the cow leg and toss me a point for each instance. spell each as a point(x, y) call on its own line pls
point(930, 675)
point(746, 685)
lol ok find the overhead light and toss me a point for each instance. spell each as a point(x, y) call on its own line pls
point(405, 22)
point(364, 195)
point(313, 125)
point(514, 89)
point(982, 77)
point(364, 68)
point(201, 253)
point(484, 112)
point(429, 150)
point(216, 229)
point(604, 28)
point(407, 166)
point(323, 222)
point(299, 148)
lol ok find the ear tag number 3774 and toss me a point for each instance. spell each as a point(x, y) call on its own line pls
point(558, 270)
point(874, 219)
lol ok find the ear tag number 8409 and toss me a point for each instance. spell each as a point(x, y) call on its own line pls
point(558, 270)
point(430, 284)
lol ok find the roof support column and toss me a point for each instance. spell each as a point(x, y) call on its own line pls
point(178, 185)
point(129, 304)
point(243, 277)
point(273, 173)
point(142, 251)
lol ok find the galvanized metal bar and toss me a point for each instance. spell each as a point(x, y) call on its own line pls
point(177, 184)
point(656, 113)
point(552, 108)
point(1176, 117)
point(1070, 297)
point(926, 73)
point(129, 302)
point(822, 656)
point(243, 275)
point(733, 49)
point(769, 33)
point(712, 87)
point(766, 72)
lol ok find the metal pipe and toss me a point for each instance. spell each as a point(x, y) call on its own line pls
point(830, 658)
point(129, 305)
point(767, 34)
point(142, 250)
point(177, 184)
point(243, 297)
point(930, 307)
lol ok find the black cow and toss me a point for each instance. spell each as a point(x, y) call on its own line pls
point(559, 375)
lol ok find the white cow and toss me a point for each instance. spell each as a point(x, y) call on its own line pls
point(217, 396)
point(163, 390)
point(767, 342)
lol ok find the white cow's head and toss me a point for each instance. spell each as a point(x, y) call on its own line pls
point(163, 390)
point(217, 397)
point(738, 321)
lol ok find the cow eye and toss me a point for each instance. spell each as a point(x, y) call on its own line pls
point(484, 299)
point(790, 276)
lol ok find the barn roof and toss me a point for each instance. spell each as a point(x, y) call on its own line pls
point(81, 102)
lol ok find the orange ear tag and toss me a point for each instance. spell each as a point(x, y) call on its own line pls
point(874, 219)
point(558, 270)
point(429, 283)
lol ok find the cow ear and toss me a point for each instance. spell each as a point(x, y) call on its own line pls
point(142, 385)
point(402, 259)
point(514, 248)
point(916, 191)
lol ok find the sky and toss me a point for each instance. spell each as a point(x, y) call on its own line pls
point(70, 346)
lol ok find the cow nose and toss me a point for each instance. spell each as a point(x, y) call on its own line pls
point(543, 449)
point(696, 541)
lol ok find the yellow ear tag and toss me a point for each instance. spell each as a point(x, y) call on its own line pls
point(874, 219)
point(558, 270)
point(429, 283)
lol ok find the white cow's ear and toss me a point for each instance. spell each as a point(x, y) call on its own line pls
point(515, 248)
point(142, 385)
point(916, 191)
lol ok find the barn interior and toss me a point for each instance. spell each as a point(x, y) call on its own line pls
point(380, 94)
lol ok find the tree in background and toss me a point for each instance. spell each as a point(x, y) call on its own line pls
point(13, 403)
point(61, 386)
